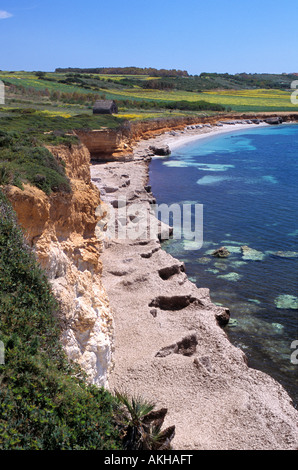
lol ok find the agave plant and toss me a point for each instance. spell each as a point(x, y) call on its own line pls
point(140, 425)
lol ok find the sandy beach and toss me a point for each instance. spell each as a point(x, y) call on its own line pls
point(192, 134)
point(198, 134)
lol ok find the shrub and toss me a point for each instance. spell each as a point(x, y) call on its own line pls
point(24, 161)
point(45, 401)
point(171, 105)
point(141, 425)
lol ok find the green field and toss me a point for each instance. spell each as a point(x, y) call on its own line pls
point(143, 96)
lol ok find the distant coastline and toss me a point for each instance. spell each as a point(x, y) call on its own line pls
point(177, 132)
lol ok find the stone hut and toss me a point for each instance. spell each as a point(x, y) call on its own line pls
point(105, 107)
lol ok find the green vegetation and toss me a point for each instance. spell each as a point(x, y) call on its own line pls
point(23, 160)
point(70, 92)
point(152, 72)
point(38, 123)
point(23, 157)
point(45, 402)
point(181, 80)
point(248, 81)
point(140, 425)
point(216, 81)
point(183, 105)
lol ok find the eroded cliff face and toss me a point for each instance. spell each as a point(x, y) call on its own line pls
point(61, 229)
point(107, 144)
point(118, 144)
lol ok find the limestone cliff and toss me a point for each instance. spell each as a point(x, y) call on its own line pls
point(107, 144)
point(117, 144)
point(61, 229)
point(215, 400)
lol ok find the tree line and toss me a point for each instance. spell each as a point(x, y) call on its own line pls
point(152, 72)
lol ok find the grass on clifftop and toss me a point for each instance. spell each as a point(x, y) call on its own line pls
point(23, 157)
point(45, 403)
point(25, 161)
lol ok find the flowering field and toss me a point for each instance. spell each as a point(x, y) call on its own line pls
point(252, 99)
point(238, 100)
point(77, 90)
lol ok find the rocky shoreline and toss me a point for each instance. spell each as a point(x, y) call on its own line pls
point(169, 345)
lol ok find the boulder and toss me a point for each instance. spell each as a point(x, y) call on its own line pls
point(223, 317)
point(110, 189)
point(163, 150)
point(274, 120)
point(286, 254)
point(251, 254)
point(222, 252)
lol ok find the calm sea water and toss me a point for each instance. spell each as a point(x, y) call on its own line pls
point(247, 183)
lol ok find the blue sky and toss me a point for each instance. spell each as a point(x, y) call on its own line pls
point(194, 35)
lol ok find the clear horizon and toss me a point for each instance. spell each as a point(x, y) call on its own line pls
point(193, 35)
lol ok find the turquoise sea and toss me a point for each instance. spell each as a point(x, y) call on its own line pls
point(247, 183)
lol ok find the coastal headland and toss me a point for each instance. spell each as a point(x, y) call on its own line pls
point(119, 144)
point(169, 345)
point(129, 314)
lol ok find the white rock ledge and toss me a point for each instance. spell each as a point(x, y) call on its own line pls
point(213, 398)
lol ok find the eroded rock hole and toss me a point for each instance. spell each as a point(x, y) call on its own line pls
point(169, 271)
point(175, 302)
point(187, 347)
point(150, 253)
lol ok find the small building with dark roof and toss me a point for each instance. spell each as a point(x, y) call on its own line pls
point(105, 107)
